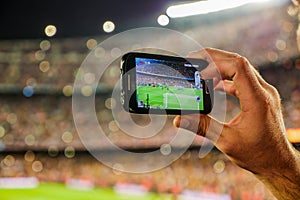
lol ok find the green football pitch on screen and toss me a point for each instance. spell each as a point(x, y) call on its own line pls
point(172, 97)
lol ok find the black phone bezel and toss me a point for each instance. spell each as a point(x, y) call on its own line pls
point(128, 85)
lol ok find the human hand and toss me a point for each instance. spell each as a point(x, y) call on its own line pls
point(255, 139)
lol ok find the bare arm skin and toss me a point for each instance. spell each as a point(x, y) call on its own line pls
point(255, 139)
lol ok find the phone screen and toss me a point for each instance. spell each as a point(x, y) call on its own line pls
point(168, 84)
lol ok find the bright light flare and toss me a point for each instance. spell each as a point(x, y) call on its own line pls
point(163, 20)
point(204, 7)
point(50, 30)
point(108, 26)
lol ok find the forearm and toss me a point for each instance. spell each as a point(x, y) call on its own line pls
point(284, 183)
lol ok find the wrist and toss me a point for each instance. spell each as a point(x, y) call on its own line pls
point(284, 180)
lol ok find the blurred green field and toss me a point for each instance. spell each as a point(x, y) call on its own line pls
point(184, 98)
point(56, 191)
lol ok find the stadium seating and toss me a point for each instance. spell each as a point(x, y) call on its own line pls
point(38, 137)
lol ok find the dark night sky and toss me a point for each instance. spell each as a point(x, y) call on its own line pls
point(27, 19)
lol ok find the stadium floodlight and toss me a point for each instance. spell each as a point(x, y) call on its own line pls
point(108, 26)
point(163, 20)
point(204, 7)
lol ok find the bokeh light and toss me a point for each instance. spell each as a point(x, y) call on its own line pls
point(99, 52)
point(114, 71)
point(163, 20)
point(89, 78)
point(68, 90)
point(44, 66)
point(165, 149)
point(53, 151)
point(219, 166)
point(9, 160)
point(91, 44)
point(118, 168)
point(50, 30)
point(40, 55)
point(29, 156)
point(69, 152)
point(2, 131)
point(110, 103)
point(67, 137)
point(272, 56)
point(87, 90)
point(30, 140)
point(116, 52)
point(45, 45)
point(12, 118)
point(113, 126)
point(37, 166)
point(108, 26)
point(280, 45)
point(28, 91)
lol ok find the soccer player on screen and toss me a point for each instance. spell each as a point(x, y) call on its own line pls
point(197, 80)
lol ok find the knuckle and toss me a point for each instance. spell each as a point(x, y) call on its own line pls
point(208, 49)
point(275, 96)
point(274, 91)
point(241, 61)
point(271, 98)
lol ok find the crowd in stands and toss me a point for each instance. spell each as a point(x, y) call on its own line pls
point(285, 77)
point(165, 74)
point(212, 174)
point(41, 121)
point(35, 130)
point(166, 68)
point(152, 80)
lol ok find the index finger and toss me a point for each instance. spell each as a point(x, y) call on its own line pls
point(231, 66)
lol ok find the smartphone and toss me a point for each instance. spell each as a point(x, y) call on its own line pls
point(163, 84)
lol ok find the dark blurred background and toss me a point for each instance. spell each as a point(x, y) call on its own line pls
point(77, 18)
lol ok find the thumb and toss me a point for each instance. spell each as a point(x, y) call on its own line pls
point(202, 125)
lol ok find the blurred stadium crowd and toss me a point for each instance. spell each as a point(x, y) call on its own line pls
point(37, 84)
point(38, 135)
point(164, 75)
point(213, 174)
